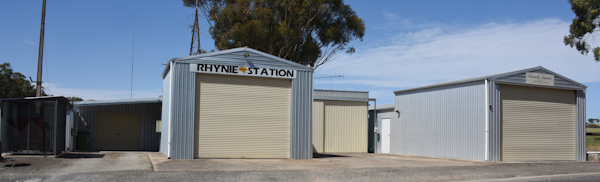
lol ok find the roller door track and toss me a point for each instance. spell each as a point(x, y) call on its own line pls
point(242, 117)
point(538, 123)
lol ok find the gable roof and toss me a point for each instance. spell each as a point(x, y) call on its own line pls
point(240, 56)
point(502, 78)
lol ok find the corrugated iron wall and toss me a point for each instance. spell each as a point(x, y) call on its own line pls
point(302, 113)
point(494, 147)
point(581, 118)
point(182, 111)
point(445, 121)
point(150, 113)
point(166, 101)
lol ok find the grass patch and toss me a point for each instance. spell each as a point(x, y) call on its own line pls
point(593, 143)
point(592, 130)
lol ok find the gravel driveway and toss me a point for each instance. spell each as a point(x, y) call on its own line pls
point(136, 166)
point(73, 163)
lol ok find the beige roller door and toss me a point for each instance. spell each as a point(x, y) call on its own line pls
point(242, 117)
point(118, 131)
point(538, 123)
point(318, 125)
point(345, 126)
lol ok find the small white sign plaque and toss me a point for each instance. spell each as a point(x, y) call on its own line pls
point(539, 79)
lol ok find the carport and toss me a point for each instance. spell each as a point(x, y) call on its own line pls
point(129, 124)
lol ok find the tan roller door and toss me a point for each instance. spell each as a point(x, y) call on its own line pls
point(345, 126)
point(538, 123)
point(118, 131)
point(318, 125)
point(242, 117)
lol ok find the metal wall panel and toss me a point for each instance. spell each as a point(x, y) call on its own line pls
point(301, 126)
point(166, 101)
point(581, 119)
point(318, 125)
point(494, 121)
point(150, 140)
point(258, 127)
point(182, 111)
point(445, 121)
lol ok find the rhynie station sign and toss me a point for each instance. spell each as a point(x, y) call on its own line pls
point(539, 79)
point(243, 71)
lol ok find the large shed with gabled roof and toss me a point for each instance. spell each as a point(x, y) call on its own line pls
point(236, 103)
point(524, 115)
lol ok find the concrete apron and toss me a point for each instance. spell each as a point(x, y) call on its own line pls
point(105, 161)
point(339, 161)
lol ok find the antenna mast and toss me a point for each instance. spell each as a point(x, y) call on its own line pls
point(195, 34)
point(330, 79)
point(132, 51)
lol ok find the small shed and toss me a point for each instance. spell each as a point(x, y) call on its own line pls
point(380, 117)
point(340, 123)
point(123, 125)
point(33, 125)
point(236, 103)
point(530, 114)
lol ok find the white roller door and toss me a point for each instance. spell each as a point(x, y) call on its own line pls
point(538, 123)
point(242, 117)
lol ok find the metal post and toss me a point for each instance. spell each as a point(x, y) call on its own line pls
point(55, 124)
point(28, 123)
point(38, 90)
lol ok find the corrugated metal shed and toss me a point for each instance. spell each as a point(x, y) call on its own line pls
point(340, 122)
point(180, 91)
point(149, 109)
point(479, 104)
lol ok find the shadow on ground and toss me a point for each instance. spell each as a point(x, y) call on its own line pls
point(79, 156)
point(317, 155)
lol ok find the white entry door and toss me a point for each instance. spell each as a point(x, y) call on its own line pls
point(385, 135)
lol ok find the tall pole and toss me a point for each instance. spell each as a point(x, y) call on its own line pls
point(38, 88)
point(132, 51)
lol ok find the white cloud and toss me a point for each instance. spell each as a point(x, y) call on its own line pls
point(409, 59)
point(98, 94)
point(29, 42)
point(398, 22)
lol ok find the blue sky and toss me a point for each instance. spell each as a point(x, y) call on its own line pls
point(88, 45)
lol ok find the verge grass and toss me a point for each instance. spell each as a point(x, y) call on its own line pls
point(593, 141)
point(592, 130)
